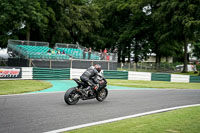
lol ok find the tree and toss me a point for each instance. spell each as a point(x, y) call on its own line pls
point(65, 21)
point(113, 20)
point(75, 21)
point(9, 22)
point(180, 21)
point(174, 25)
point(22, 17)
point(133, 30)
point(135, 27)
point(122, 24)
point(196, 50)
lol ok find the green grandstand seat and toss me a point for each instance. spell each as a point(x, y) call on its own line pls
point(40, 52)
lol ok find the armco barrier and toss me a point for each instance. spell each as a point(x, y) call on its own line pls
point(10, 72)
point(116, 74)
point(194, 79)
point(180, 78)
point(139, 76)
point(160, 77)
point(46, 73)
point(76, 73)
point(56, 74)
point(27, 73)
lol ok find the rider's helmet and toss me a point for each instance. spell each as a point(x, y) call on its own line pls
point(97, 67)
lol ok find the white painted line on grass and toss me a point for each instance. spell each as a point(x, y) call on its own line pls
point(119, 118)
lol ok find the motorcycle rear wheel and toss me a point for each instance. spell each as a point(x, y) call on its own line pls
point(102, 94)
point(71, 96)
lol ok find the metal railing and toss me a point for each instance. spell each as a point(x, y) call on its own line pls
point(16, 49)
point(150, 67)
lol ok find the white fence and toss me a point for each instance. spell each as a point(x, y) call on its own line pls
point(76, 73)
point(27, 73)
point(180, 78)
point(139, 76)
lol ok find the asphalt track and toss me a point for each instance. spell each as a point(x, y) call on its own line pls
point(42, 112)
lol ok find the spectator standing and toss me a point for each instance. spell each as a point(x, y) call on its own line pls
point(104, 53)
point(63, 52)
point(84, 53)
point(49, 51)
point(89, 53)
point(115, 54)
point(108, 57)
point(58, 52)
point(101, 54)
point(53, 51)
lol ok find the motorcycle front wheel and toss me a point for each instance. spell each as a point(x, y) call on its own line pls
point(71, 96)
point(102, 94)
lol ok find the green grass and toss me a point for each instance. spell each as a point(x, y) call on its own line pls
point(138, 70)
point(22, 86)
point(188, 73)
point(178, 121)
point(153, 84)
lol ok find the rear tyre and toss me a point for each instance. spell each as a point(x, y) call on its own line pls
point(71, 96)
point(102, 94)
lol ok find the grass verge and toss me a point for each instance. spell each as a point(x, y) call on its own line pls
point(22, 86)
point(153, 84)
point(188, 73)
point(185, 120)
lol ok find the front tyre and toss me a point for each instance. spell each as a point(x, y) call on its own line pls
point(102, 94)
point(71, 96)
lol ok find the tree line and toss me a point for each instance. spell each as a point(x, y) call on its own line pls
point(136, 28)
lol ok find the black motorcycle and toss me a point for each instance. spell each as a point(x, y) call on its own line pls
point(73, 95)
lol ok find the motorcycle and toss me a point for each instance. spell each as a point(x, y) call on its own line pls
point(73, 94)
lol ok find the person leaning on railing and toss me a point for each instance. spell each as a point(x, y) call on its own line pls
point(89, 53)
point(114, 54)
point(84, 52)
point(104, 53)
point(101, 54)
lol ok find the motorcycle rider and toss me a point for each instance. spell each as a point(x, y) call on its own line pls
point(89, 75)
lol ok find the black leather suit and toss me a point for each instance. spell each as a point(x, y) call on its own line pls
point(88, 76)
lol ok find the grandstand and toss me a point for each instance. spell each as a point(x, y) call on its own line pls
point(39, 54)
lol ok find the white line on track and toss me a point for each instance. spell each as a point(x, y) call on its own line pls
point(119, 118)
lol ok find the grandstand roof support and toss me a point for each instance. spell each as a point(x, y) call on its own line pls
point(50, 64)
point(30, 62)
point(71, 64)
point(108, 65)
